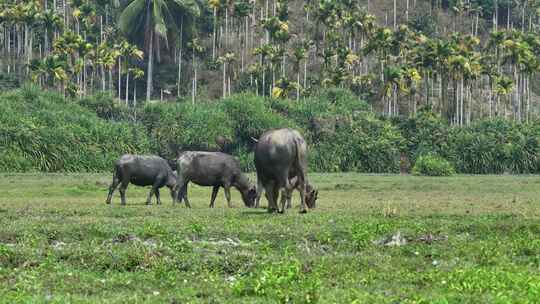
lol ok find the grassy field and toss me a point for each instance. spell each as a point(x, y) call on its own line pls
point(470, 239)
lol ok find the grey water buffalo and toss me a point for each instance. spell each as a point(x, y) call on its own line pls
point(142, 170)
point(281, 156)
point(213, 169)
point(311, 194)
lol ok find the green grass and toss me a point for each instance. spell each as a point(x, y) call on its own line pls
point(60, 243)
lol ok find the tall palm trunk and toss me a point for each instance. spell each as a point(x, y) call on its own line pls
point(150, 66)
point(178, 82)
point(119, 78)
point(224, 79)
point(214, 32)
point(127, 88)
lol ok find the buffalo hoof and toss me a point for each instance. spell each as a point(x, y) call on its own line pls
point(108, 203)
point(281, 211)
point(271, 210)
point(303, 211)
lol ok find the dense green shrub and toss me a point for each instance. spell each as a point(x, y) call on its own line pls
point(251, 117)
point(361, 143)
point(425, 133)
point(433, 165)
point(320, 114)
point(182, 126)
point(496, 146)
point(105, 106)
point(44, 132)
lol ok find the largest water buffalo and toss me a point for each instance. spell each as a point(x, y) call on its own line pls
point(281, 162)
point(213, 169)
point(142, 170)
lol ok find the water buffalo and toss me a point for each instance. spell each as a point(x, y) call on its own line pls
point(280, 156)
point(311, 194)
point(142, 170)
point(213, 169)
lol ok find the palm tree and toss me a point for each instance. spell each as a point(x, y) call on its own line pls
point(158, 21)
point(225, 60)
point(215, 5)
point(299, 54)
point(196, 50)
point(52, 22)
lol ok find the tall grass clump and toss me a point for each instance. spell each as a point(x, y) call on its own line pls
point(432, 165)
point(183, 126)
point(496, 146)
point(252, 116)
point(425, 133)
point(359, 142)
point(43, 132)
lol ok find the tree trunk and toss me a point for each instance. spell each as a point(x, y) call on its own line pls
point(224, 79)
point(150, 67)
point(119, 78)
point(395, 15)
point(508, 18)
point(298, 84)
point(214, 35)
point(135, 96)
point(516, 94)
point(127, 88)
point(407, 11)
point(178, 82)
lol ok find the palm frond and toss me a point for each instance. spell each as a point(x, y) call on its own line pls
point(132, 17)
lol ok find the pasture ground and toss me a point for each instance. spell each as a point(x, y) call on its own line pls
point(470, 239)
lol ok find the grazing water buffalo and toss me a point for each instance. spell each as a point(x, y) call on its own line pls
point(281, 156)
point(142, 170)
point(311, 194)
point(213, 169)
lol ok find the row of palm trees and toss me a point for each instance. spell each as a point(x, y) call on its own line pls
point(464, 72)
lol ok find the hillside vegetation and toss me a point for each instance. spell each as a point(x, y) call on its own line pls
point(45, 132)
point(466, 59)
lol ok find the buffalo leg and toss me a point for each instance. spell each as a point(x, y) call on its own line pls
point(180, 184)
point(155, 186)
point(271, 196)
point(260, 190)
point(185, 195)
point(302, 189)
point(215, 191)
point(275, 195)
point(289, 201)
point(113, 187)
point(122, 190)
point(285, 194)
point(227, 189)
point(158, 198)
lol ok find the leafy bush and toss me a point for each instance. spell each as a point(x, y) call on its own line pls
point(43, 132)
point(360, 143)
point(251, 117)
point(105, 106)
point(320, 114)
point(426, 133)
point(496, 146)
point(175, 127)
point(433, 165)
